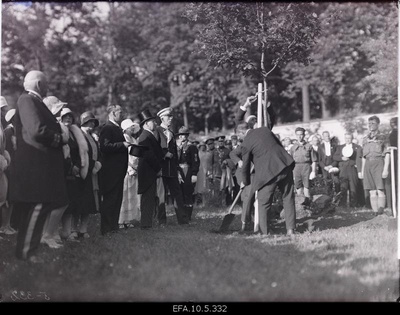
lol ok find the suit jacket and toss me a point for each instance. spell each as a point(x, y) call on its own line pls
point(114, 156)
point(323, 159)
point(189, 154)
point(37, 172)
point(150, 164)
point(169, 166)
point(264, 149)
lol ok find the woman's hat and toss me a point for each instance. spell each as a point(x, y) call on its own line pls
point(66, 111)
point(10, 114)
point(209, 139)
point(347, 151)
point(137, 150)
point(53, 104)
point(145, 116)
point(88, 116)
point(127, 123)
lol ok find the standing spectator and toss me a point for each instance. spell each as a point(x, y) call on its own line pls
point(211, 162)
point(346, 156)
point(130, 210)
point(273, 168)
point(223, 172)
point(201, 184)
point(149, 169)
point(325, 161)
point(235, 142)
point(5, 160)
point(77, 169)
point(315, 142)
point(305, 167)
point(375, 165)
point(37, 190)
point(114, 165)
point(393, 136)
point(90, 202)
point(167, 141)
point(189, 163)
point(50, 236)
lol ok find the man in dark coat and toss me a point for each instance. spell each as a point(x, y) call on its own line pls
point(114, 165)
point(325, 161)
point(189, 163)
point(149, 169)
point(273, 168)
point(170, 167)
point(346, 156)
point(37, 184)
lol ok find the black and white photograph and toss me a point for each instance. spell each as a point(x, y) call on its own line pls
point(199, 156)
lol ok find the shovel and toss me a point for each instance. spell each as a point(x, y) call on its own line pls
point(228, 218)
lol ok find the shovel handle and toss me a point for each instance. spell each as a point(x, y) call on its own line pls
point(236, 200)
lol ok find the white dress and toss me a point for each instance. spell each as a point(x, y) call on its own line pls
point(131, 200)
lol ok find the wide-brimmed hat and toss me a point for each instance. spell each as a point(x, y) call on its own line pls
point(183, 131)
point(220, 138)
point(202, 143)
point(88, 116)
point(165, 112)
point(10, 114)
point(137, 150)
point(54, 104)
point(347, 151)
point(145, 116)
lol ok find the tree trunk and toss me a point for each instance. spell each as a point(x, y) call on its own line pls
point(206, 129)
point(185, 115)
point(110, 94)
point(222, 109)
point(325, 112)
point(306, 103)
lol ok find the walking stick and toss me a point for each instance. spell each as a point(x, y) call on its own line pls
point(393, 181)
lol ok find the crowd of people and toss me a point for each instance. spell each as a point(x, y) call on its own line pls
point(55, 172)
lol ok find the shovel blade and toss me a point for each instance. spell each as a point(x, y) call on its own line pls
point(226, 222)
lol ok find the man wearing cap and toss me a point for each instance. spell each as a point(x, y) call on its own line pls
point(170, 166)
point(90, 203)
point(222, 171)
point(114, 150)
point(235, 142)
point(375, 165)
point(149, 169)
point(346, 156)
point(189, 163)
point(37, 184)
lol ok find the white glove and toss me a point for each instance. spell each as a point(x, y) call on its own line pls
point(97, 167)
point(312, 175)
point(240, 164)
point(194, 179)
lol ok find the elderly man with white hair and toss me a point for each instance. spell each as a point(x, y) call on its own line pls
point(37, 184)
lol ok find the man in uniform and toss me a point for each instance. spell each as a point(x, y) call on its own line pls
point(222, 171)
point(305, 167)
point(170, 166)
point(189, 163)
point(375, 165)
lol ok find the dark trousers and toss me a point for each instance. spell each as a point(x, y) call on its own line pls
point(331, 181)
point(265, 195)
point(110, 208)
point(248, 202)
point(172, 184)
point(187, 188)
point(349, 182)
point(148, 206)
point(32, 219)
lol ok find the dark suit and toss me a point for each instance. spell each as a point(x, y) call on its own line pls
point(348, 174)
point(188, 158)
point(273, 168)
point(148, 168)
point(114, 165)
point(170, 178)
point(37, 183)
point(324, 160)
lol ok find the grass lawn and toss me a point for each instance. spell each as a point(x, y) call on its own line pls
point(348, 256)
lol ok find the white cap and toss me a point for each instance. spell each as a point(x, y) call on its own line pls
point(65, 111)
point(164, 112)
point(250, 117)
point(127, 123)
